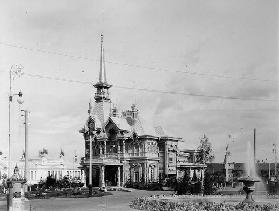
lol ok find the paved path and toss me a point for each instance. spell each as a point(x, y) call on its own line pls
point(118, 201)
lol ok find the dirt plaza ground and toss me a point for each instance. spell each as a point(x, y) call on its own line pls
point(119, 200)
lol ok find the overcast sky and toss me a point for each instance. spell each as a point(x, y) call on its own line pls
point(215, 48)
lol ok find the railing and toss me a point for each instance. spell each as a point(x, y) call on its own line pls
point(121, 155)
point(142, 154)
point(185, 160)
point(137, 154)
point(111, 155)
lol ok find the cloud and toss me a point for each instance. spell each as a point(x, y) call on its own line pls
point(218, 38)
point(257, 90)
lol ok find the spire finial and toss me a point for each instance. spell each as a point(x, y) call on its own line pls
point(102, 66)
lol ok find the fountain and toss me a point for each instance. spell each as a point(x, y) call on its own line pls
point(249, 180)
point(249, 187)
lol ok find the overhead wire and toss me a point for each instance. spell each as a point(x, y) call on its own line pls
point(139, 66)
point(152, 90)
point(149, 90)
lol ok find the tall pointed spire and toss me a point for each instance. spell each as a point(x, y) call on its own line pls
point(102, 73)
point(102, 86)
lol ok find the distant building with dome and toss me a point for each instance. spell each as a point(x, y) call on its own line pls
point(43, 166)
point(125, 149)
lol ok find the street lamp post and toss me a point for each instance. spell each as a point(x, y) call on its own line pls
point(20, 101)
point(91, 127)
point(90, 164)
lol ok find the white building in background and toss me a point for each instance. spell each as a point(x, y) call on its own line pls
point(42, 166)
point(3, 168)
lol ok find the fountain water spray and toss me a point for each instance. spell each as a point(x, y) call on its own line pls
point(250, 165)
point(250, 179)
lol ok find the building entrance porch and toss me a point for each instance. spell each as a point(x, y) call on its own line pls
point(105, 175)
point(111, 175)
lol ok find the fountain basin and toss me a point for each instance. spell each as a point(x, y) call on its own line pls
point(249, 179)
point(249, 187)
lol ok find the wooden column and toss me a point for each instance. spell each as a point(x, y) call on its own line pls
point(123, 148)
point(146, 172)
point(118, 148)
point(118, 176)
point(100, 148)
point(157, 176)
point(123, 174)
point(140, 172)
point(105, 148)
point(102, 177)
point(166, 159)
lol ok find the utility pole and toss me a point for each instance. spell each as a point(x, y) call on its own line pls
point(90, 164)
point(255, 146)
point(10, 100)
point(275, 159)
point(91, 127)
point(269, 170)
point(203, 174)
point(26, 168)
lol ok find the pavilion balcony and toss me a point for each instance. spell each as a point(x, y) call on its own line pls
point(110, 155)
point(136, 154)
point(189, 164)
point(109, 158)
point(142, 155)
point(115, 157)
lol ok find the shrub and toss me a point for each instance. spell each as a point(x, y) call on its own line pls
point(50, 182)
point(144, 186)
point(147, 203)
point(154, 186)
point(209, 189)
point(183, 185)
point(171, 182)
